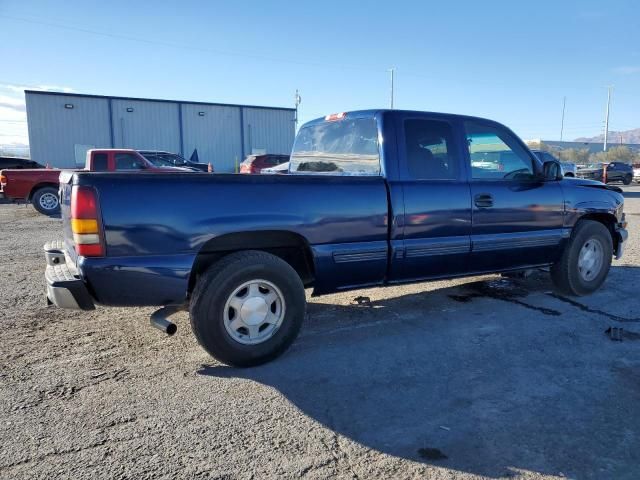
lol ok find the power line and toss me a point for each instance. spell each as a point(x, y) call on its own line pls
point(351, 66)
point(606, 119)
point(564, 104)
point(190, 47)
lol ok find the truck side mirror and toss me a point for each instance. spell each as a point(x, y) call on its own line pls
point(552, 170)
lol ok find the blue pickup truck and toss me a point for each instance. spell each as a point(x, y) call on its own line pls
point(372, 198)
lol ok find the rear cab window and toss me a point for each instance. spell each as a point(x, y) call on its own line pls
point(100, 162)
point(347, 146)
point(430, 152)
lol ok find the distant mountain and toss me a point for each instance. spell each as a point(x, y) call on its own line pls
point(628, 136)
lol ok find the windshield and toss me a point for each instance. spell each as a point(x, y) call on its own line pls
point(165, 159)
point(344, 147)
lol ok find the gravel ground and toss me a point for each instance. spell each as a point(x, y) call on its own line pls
point(472, 378)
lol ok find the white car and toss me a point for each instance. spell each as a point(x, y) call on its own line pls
point(636, 174)
point(282, 168)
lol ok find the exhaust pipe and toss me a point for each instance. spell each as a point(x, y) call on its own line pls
point(159, 319)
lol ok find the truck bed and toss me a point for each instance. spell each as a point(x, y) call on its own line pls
point(155, 225)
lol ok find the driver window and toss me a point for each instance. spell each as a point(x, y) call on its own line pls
point(495, 154)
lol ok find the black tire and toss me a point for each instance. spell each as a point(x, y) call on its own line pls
point(565, 273)
point(42, 201)
point(217, 285)
point(627, 179)
point(569, 174)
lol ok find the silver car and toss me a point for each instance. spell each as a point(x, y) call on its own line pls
point(569, 169)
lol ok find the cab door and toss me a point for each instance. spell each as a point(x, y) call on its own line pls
point(517, 216)
point(435, 225)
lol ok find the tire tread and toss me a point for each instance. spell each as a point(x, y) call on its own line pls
point(566, 280)
point(215, 275)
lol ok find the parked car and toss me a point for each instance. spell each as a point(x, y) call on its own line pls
point(616, 172)
point(255, 163)
point(168, 159)
point(278, 169)
point(636, 172)
point(16, 163)
point(569, 169)
point(40, 186)
point(238, 251)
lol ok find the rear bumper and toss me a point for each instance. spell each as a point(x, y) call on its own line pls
point(65, 287)
point(115, 281)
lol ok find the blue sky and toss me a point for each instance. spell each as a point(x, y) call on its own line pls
point(506, 60)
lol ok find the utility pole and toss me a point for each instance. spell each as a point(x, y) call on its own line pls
point(606, 118)
point(392, 71)
point(298, 101)
point(564, 104)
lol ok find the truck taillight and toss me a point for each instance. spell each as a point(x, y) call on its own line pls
point(3, 180)
point(84, 222)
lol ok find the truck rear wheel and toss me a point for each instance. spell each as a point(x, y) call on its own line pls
point(45, 200)
point(247, 308)
point(586, 260)
point(627, 179)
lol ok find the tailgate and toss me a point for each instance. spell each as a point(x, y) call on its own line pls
point(66, 182)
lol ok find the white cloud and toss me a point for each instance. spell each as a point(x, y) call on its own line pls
point(13, 116)
point(13, 103)
point(627, 70)
point(45, 88)
point(54, 88)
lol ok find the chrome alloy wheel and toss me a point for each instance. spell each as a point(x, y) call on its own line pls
point(590, 259)
point(254, 312)
point(48, 201)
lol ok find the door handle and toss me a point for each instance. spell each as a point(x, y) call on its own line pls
point(483, 200)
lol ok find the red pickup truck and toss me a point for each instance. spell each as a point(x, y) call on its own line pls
point(40, 186)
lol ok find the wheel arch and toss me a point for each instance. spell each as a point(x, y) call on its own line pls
point(40, 185)
point(291, 247)
point(608, 220)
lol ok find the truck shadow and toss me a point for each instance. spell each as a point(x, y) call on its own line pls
point(461, 378)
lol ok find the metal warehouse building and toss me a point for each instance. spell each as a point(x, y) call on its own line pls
point(63, 126)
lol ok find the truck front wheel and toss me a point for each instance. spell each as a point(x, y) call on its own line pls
point(247, 308)
point(45, 200)
point(586, 260)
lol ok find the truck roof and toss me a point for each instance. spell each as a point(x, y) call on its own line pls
point(370, 113)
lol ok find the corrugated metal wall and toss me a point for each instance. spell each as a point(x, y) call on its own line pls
point(268, 130)
point(146, 125)
point(56, 132)
point(59, 135)
point(215, 132)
